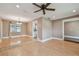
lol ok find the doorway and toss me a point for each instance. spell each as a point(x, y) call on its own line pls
point(71, 29)
point(34, 30)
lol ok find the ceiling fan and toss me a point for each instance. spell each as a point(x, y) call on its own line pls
point(43, 7)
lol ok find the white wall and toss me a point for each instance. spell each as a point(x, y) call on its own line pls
point(57, 29)
point(39, 27)
point(47, 29)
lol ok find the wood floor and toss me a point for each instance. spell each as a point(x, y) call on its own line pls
point(25, 46)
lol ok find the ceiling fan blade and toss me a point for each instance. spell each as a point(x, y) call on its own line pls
point(37, 10)
point(44, 11)
point(50, 9)
point(47, 5)
point(36, 5)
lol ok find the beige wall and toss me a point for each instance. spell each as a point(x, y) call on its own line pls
point(57, 28)
point(39, 25)
point(24, 29)
point(71, 28)
point(6, 29)
point(47, 29)
point(0, 27)
point(29, 28)
point(44, 28)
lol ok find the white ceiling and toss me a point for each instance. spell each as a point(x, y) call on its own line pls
point(25, 12)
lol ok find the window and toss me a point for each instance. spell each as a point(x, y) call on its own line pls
point(15, 28)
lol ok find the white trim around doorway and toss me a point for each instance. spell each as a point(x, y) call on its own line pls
point(68, 20)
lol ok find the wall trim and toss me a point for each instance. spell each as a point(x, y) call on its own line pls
point(72, 19)
point(75, 37)
point(74, 16)
point(51, 38)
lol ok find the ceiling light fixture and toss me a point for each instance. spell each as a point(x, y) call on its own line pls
point(53, 16)
point(19, 22)
point(17, 6)
point(74, 10)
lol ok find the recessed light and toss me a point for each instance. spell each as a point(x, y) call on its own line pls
point(74, 10)
point(17, 6)
point(53, 16)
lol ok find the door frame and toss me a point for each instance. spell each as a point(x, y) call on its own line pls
point(68, 20)
point(1, 29)
point(33, 23)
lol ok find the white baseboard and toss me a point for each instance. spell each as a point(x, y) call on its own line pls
point(15, 36)
point(75, 37)
point(28, 35)
point(51, 38)
point(4, 37)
